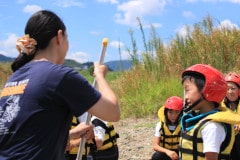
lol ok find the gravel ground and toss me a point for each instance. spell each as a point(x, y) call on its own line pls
point(136, 137)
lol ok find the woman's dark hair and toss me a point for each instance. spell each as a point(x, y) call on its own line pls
point(228, 102)
point(42, 26)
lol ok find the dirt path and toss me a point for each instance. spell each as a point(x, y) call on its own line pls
point(136, 137)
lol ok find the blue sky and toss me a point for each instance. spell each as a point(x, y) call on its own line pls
point(89, 21)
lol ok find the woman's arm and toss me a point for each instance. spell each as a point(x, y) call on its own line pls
point(107, 107)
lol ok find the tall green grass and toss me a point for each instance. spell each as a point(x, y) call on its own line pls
point(5, 72)
point(110, 77)
point(141, 95)
point(156, 74)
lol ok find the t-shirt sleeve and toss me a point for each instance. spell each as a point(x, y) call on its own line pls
point(157, 130)
point(83, 117)
point(213, 135)
point(99, 131)
point(77, 93)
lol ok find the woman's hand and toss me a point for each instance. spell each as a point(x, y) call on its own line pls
point(99, 70)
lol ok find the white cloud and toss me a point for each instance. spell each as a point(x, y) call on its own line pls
point(157, 25)
point(188, 14)
point(32, 9)
point(109, 1)
point(8, 46)
point(125, 55)
point(213, 1)
point(68, 3)
point(116, 44)
point(235, 1)
point(129, 11)
point(228, 24)
point(80, 57)
point(183, 31)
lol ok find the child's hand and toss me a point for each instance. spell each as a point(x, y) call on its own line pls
point(89, 134)
point(237, 127)
point(81, 130)
point(72, 144)
point(173, 155)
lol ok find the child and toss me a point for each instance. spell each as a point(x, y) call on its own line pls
point(73, 144)
point(168, 130)
point(207, 128)
point(104, 145)
point(232, 98)
point(232, 101)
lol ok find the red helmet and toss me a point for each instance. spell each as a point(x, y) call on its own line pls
point(174, 102)
point(215, 88)
point(233, 77)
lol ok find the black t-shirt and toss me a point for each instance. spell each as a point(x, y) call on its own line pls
point(36, 108)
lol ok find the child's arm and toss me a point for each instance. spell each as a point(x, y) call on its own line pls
point(172, 154)
point(213, 134)
point(211, 156)
point(99, 142)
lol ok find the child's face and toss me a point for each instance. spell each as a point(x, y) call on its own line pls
point(173, 115)
point(192, 94)
point(232, 91)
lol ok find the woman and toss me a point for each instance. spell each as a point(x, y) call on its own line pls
point(41, 96)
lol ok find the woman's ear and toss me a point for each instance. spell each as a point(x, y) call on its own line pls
point(59, 36)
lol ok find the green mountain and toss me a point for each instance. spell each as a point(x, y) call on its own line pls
point(112, 65)
point(119, 65)
point(5, 58)
point(72, 63)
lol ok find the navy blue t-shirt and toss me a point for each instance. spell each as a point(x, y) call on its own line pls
point(36, 108)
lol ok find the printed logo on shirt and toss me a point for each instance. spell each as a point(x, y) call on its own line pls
point(10, 109)
point(12, 88)
point(8, 112)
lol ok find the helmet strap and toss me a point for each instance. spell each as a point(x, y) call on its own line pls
point(189, 108)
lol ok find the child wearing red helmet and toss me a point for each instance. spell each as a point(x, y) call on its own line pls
point(207, 128)
point(168, 130)
point(232, 98)
point(232, 101)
